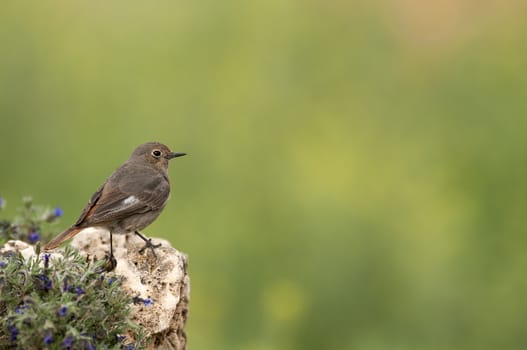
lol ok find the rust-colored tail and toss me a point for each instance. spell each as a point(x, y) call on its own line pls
point(55, 242)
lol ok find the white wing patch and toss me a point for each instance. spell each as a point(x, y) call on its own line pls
point(130, 201)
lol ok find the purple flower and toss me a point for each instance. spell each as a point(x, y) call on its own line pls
point(66, 287)
point(33, 237)
point(67, 342)
point(120, 338)
point(43, 282)
point(3, 264)
point(12, 330)
point(46, 260)
point(58, 212)
point(62, 311)
point(20, 309)
point(14, 333)
point(111, 280)
point(146, 302)
point(79, 290)
point(48, 339)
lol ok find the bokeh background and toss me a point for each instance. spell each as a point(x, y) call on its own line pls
point(356, 176)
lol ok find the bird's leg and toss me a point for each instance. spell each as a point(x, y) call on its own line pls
point(111, 262)
point(148, 244)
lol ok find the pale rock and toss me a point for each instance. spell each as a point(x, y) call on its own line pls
point(26, 249)
point(162, 278)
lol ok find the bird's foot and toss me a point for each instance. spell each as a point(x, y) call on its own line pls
point(110, 263)
point(148, 244)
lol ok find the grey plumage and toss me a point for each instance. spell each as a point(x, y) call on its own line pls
point(131, 198)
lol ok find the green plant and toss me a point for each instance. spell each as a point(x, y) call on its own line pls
point(60, 303)
point(67, 303)
point(31, 225)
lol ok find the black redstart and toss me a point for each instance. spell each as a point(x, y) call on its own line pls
point(130, 199)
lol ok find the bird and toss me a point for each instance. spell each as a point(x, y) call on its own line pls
point(129, 200)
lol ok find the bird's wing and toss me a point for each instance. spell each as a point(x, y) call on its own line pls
point(124, 194)
point(91, 203)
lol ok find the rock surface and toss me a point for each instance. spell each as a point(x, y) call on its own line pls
point(162, 279)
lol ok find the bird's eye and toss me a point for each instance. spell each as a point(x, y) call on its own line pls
point(156, 153)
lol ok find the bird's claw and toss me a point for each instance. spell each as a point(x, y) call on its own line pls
point(149, 244)
point(110, 263)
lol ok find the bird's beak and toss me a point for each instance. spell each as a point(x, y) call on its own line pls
point(174, 155)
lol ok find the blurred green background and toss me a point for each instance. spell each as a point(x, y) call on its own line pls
point(356, 176)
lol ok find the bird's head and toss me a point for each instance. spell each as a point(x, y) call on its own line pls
point(156, 154)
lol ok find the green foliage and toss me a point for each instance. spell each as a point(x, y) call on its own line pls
point(31, 225)
point(58, 303)
point(63, 303)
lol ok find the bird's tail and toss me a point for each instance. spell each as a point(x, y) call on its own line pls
point(55, 242)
